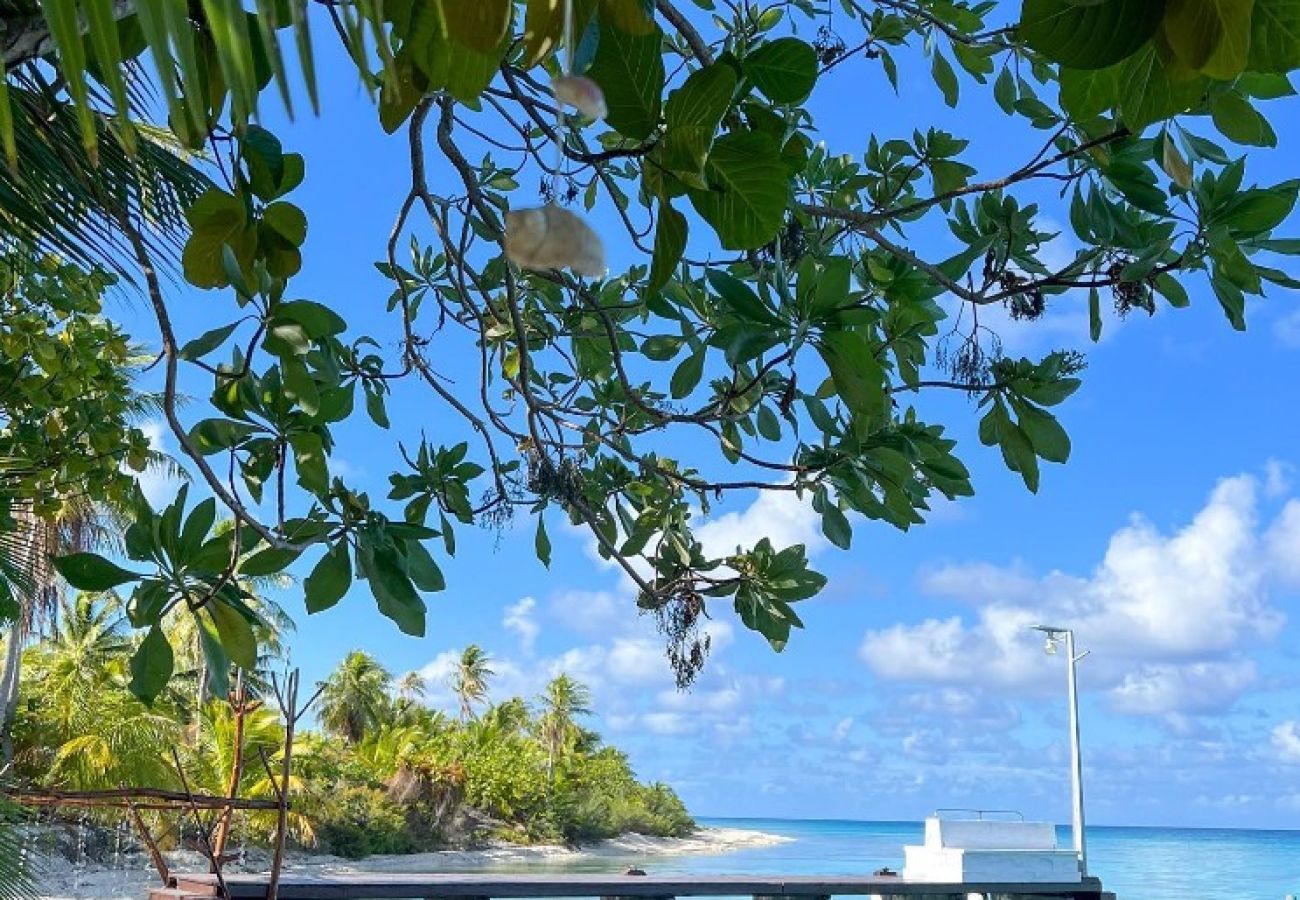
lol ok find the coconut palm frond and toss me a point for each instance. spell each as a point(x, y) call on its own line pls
point(61, 200)
point(17, 880)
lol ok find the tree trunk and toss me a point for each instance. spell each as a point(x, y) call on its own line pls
point(9, 681)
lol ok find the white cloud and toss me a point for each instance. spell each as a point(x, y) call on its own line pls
point(593, 613)
point(842, 729)
point(1278, 478)
point(159, 486)
point(1195, 688)
point(1286, 741)
point(1167, 615)
point(781, 516)
point(1283, 541)
point(519, 619)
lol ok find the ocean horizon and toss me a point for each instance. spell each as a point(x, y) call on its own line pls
point(1136, 862)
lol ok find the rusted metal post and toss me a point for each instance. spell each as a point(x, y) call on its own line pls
point(155, 854)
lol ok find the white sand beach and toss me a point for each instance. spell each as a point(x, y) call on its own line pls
point(131, 876)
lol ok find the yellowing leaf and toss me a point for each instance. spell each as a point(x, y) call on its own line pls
point(1209, 36)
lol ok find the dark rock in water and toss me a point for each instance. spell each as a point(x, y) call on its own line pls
point(634, 871)
point(886, 872)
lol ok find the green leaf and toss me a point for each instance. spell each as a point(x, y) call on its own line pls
point(288, 221)
point(151, 666)
point(749, 190)
point(857, 373)
point(687, 375)
point(1018, 454)
point(480, 25)
point(424, 571)
point(943, 75)
point(670, 244)
point(1209, 36)
point(268, 561)
point(216, 219)
point(542, 543)
point(662, 347)
point(317, 319)
point(236, 634)
point(692, 115)
point(836, 527)
point(1045, 433)
point(740, 298)
point(1240, 122)
point(630, 71)
point(1090, 36)
point(91, 572)
point(375, 407)
point(215, 435)
point(396, 597)
point(784, 69)
point(1275, 36)
point(1094, 315)
point(330, 579)
point(309, 458)
point(1149, 93)
point(207, 342)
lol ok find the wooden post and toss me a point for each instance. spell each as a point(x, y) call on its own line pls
point(154, 854)
point(240, 709)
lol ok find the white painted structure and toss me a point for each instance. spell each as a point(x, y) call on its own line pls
point(958, 851)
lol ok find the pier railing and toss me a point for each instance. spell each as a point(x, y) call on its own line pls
point(376, 886)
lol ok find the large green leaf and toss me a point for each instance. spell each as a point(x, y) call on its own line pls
point(785, 69)
point(630, 71)
point(330, 579)
point(1148, 93)
point(1092, 36)
point(91, 572)
point(670, 243)
point(151, 666)
point(856, 372)
point(748, 192)
point(692, 115)
point(217, 219)
point(1209, 36)
point(1274, 36)
point(236, 634)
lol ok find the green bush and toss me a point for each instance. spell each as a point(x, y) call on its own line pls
point(362, 821)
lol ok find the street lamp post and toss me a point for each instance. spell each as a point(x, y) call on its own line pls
point(1054, 637)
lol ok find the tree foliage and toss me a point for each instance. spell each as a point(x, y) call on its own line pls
point(784, 320)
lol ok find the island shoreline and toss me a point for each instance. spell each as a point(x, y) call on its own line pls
point(131, 877)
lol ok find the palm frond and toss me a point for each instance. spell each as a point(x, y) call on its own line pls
point(60, 199)
point(17, 880)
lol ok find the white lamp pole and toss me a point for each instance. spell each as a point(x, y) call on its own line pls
point(1055, 636)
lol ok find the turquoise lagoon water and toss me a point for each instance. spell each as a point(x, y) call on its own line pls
point(1135, 863)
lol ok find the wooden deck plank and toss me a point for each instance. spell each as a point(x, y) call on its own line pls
point(394, 886)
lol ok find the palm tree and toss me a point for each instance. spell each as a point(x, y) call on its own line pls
point(94, 733)
point(411, 688)
point(34, 540)
point(563, 702)
point(355, 698)
point(470, 679)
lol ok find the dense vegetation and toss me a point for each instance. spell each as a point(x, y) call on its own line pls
point(383, 774)
point(789, 315)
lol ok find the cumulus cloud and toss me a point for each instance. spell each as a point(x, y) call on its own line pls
point(519, 620)
point(1286, 741)
point(781, 516)
point(1168, 614)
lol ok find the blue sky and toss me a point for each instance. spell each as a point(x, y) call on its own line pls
point(1171, 541)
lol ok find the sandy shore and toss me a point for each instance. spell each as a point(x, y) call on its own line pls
point(131, 876)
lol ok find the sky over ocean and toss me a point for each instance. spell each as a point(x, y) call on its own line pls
point(1171, 542)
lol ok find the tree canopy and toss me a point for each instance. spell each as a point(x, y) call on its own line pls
point(785, 320)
